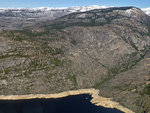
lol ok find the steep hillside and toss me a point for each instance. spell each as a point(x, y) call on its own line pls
point(106, 49)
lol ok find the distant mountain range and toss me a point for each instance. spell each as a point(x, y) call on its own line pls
point(25, 17)
point(70, 9)
point(44, 10)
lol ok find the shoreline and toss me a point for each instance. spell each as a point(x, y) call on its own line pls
point(96, 99)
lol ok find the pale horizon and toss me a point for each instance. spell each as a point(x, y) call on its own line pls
point(71, 3)
point(103, 6)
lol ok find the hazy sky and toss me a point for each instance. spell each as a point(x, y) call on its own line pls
point(69, 3)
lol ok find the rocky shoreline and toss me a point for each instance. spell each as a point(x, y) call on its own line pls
point(96, 99)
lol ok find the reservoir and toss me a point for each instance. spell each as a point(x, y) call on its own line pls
point(70, 104)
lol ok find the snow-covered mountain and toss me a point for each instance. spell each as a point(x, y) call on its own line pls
point(23, 17)
point(85, 8)
point(81, 8)
point(147, 10)
point(48, 12)
point(12, 18)
point(45, 11)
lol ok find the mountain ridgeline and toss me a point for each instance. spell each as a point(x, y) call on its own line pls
point(25, 17)
point(107, 49)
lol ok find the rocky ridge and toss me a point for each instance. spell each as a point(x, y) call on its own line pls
point(24, 17)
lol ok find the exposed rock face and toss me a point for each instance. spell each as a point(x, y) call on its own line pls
point(106, 49)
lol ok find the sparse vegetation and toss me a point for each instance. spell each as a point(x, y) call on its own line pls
point(72, 77)
point(74, 52)
point(146, 90)
point(57, 62)
point(74, 42)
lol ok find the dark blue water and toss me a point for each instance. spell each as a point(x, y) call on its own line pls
point(71, 104)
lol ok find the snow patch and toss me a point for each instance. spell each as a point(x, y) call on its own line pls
point(147, 10)
point(71, 9)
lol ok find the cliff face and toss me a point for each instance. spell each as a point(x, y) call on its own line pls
point(106, 49)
